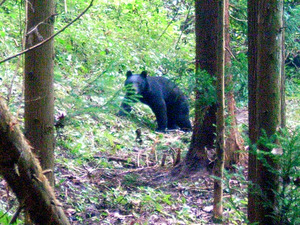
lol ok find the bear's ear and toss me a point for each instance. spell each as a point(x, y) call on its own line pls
point(129, 73)
point(144, 74)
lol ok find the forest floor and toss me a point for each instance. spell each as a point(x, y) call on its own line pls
point(131, 193)
point(148, 195)
point(143, 195)
point(134, 188)
point(140, 195)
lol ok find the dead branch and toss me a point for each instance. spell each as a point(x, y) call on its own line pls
point(23, 173)
point(35, 28)
point(1, 3)
point(230, 52)
point(237, 19)
point(49, 38)
point(121, 160)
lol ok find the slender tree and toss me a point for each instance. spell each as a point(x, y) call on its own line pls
point(252, 80)
point(220, 141)
point(39, 101)
point(282, 90)
point(234, 141)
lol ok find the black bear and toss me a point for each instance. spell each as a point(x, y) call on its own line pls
point(166, 100)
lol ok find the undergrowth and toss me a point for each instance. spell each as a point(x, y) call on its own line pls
point(103, 173)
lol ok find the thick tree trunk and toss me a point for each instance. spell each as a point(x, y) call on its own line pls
point(265, 58)
point(39, 100)
point(22, 171)
point(268, 99)
point(234, 141)
point(220, 141)
point(206, 60)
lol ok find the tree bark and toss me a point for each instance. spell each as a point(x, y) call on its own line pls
point(265, 58)
point(282, 90)
point(39, 99)
point(22, 171)
point(268, 99)
point(252, 81)
point(206, 60)
point(220, 141)
point(234, 141)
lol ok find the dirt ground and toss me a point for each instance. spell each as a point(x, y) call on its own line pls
point(133, 194)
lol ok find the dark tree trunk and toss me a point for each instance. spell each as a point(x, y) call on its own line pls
point(264, 103)
point(268, 99)
point(206, 60)
point(252, 81)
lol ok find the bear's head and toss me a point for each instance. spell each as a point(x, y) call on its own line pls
point(137, 82)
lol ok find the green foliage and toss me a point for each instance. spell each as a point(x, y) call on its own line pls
point(235, 200)
point(6, 218)
point(238, 25)
point(91, 59)
point(238, 44)
point(287, 155)
point(146, 199)
point(292, 46)
point(288, 195)
point(291, 15)
point(239, 69)
point(205, 85)
point(93, 56)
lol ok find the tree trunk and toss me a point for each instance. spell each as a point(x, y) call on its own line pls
point(39, 100)
point(252, 81)
point(265, 58)
point(234, 141)
point(268, 99)
point(220, 142)
point(24, 175)
point(206, 60)
point(282, 90)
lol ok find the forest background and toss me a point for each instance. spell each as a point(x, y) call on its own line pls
point(91, 59)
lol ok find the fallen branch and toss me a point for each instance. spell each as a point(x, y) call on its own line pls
point(23, 173)
point(49, 38)
point(1, 3)
point(121, 160)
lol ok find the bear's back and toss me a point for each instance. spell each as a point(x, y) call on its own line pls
point(171, 92)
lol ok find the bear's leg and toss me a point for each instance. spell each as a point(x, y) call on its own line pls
point(125, 106)
point(171, 120)
point(183, 121)
point(160, 111)
point(182, 117)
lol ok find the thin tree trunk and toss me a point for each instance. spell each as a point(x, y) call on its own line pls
point(23, 173)
point(282, 91)
point(220, 142)
point(39, 100)
point(252, 81)
point(234, 141)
